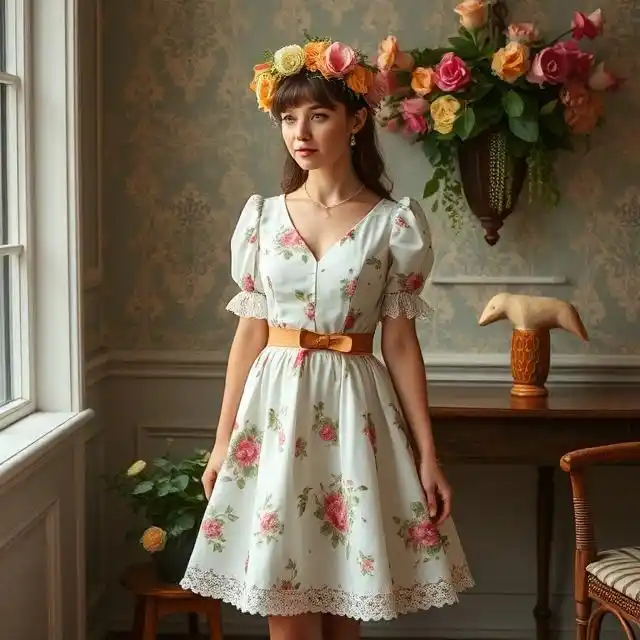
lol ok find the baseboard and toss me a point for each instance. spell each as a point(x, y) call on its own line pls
point(441, 367)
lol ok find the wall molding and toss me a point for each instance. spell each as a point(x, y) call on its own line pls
point(475, 368)
point(47, 516)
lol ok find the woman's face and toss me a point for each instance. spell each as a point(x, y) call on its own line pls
point(316, 136)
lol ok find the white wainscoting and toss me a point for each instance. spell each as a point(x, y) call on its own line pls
point(44, 580)
point(152, 397)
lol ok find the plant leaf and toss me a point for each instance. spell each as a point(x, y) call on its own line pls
point(181, 482)
point(143, 487)
point(431, 187)
point(513, 104)
point(548, 108)
point(524, 128)
point(465, 122)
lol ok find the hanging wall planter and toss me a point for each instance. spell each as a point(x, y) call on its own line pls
point(492, 179)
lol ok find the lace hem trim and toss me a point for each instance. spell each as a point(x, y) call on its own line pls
point(249, 304)
point(289, 602)
point(408, 305)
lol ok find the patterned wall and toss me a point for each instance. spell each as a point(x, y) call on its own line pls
point(184, 146)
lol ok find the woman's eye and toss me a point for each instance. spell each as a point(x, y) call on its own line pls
point(319, 116)
point(288, 119)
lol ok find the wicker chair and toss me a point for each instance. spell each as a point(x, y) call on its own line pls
point(609, 579)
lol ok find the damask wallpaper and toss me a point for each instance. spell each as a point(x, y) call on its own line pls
point(184, 146)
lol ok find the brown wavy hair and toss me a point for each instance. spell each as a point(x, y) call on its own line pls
point(367, 160)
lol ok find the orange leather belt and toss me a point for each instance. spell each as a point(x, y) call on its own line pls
point(353, 343)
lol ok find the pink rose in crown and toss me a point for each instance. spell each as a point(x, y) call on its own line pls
point(211, 529)
point(413, 110)
point(336, 511)
point(584, 26)
point(339, 59)
point(246, 452)
point(552, 65)
point(424, 534)
point(384, 84)
point(452, 73)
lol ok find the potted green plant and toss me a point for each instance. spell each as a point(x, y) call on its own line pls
point(169, 494)
point(499, 101)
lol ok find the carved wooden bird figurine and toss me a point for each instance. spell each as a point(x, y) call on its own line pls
point(533, 312)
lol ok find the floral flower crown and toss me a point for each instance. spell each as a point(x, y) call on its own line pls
point(318, 56)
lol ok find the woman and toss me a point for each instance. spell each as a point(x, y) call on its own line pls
point(327, 505)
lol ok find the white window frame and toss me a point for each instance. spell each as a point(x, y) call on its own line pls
point(47, 195)
point(18, 172)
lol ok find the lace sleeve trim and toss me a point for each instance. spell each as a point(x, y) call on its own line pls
point(407, 305)
point(249, 304)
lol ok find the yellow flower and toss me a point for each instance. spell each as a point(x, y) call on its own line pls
point(359, 79)
point(444, 111)
point(136, 468)
point(511, 62)
point(153, 539)
point(314, 52)
point(289, 60)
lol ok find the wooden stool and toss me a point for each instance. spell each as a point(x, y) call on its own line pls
point(155, 599)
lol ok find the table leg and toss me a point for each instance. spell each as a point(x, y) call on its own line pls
point(194, 626)
point(544, 538)
point(138, 618)
point(150, 619)
point(214, 619)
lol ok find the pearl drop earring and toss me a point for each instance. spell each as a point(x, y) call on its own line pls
point(353, 139)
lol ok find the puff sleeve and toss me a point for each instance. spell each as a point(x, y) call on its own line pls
point(250, 301)
point(411, 262)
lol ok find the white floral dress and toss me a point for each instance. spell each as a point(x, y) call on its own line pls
point(318, 506)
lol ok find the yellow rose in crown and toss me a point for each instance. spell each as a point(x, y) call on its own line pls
point(288, 60)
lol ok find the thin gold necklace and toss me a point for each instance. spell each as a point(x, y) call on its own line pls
point(327, 207)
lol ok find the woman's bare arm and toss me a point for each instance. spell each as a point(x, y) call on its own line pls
point(249, 340)
point(402, 355)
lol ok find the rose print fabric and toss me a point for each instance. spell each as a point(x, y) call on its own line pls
point(318, 506)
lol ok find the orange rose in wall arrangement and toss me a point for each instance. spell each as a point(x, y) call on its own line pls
point(493, 106)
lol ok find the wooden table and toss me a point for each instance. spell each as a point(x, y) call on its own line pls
point(484, 424)
point(155, 599)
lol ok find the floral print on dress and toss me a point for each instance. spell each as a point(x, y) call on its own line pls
point(348, 236)
point(288, 581)
point(303, 500)
point(248, 283)
point(274, 423)
point(348, 286)
point(411, 282)
point(370, 432)
point(289, 243)
point(250, 235)
point(301, 448)
point(350, 319)
point(309, 304)
point(324, 426)
point(399, 222)
point(367, 564)
point(244, 453)
point(212, 528)
point(420, 534)
point(335, 507)
point(300, 361)
point(270, 526)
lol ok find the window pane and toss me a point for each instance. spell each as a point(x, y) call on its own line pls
point(7, 393)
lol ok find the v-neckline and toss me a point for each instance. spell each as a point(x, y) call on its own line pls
point(337, 242)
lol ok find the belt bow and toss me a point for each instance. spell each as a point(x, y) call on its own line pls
point(333, 342)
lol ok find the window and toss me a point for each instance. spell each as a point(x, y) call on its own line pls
point(15, 335)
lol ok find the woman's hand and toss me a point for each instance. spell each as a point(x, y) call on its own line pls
point(437, 490)
point(210, 474)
